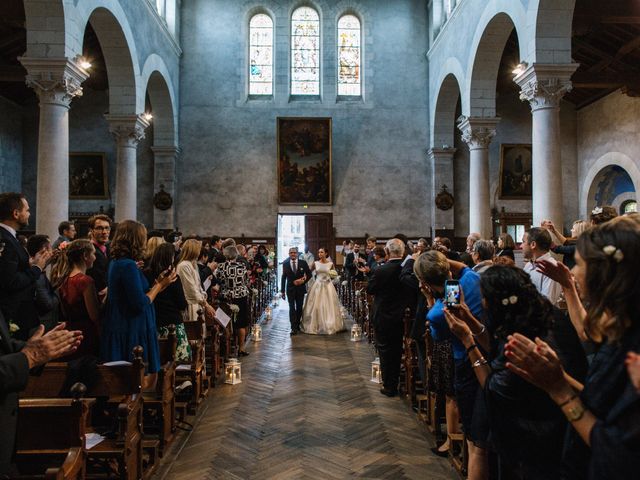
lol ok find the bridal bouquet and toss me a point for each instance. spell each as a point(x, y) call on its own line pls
point(333, 273)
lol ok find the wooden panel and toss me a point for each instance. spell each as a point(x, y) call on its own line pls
point(319, 232)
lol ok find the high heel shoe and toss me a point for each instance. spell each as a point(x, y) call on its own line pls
point(440, 453)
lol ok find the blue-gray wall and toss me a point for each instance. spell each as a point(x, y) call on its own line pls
point(227, 171)
point(10, 146)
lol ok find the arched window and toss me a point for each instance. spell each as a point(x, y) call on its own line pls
point(349, 56)
point(630, 206)
point(261, 55)
point(305, 52)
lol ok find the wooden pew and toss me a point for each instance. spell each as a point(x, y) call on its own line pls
point(160, 406)
point(51, 437)
point(196, 372)
point(119, 412)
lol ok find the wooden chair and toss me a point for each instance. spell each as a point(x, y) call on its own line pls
point(195, 372)
point(51, 437)
point(118, 415)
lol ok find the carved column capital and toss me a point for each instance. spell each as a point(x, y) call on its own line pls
point(477, 132)
point(543, 86)
point(55, 80)
point(166, 151)
point(441, 153)
point(128, 129)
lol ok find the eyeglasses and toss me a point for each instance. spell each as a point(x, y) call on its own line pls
point(100, 229)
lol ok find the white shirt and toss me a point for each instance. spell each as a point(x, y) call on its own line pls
point(547, 287)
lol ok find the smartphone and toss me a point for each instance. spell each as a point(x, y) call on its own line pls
point(452, 293)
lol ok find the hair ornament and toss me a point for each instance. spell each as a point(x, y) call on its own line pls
point(613, 251)
point(513, 299)
point(596, 211)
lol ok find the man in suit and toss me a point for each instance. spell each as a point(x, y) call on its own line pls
point(100, 229)
point(389, 304)
point(16, 358)
point(354, 260)
point(67, 232)
point(295, 274)
point(18, 272)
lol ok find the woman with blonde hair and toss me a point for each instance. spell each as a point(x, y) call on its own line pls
point(152, 244)
point(190, 277)
point(130, 318)
point(566, 246)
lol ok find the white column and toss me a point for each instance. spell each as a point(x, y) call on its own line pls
point(477, 133)
point(164, 174)
point(127, 130)
point(56, 82)
point(543, 86)
point(441, 160)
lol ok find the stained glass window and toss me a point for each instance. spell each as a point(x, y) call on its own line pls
point(349, 62)
point(261, 55)
point(305, 52)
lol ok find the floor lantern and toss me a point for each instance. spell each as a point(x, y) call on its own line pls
point(268, 313)
point(257, 333)
point(376, 373)
point(233, 372)
point(356, 333)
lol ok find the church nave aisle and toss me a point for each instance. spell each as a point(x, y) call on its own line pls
point(305, 410)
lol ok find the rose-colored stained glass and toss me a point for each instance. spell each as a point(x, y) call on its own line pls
point(349, 58)
point(305, 52)
point(261, 55)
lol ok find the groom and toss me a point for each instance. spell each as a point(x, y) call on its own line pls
point(295, 274)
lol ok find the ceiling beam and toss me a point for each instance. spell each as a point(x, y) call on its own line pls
point(605, 80)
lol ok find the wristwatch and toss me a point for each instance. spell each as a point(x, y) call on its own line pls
point(575, 413)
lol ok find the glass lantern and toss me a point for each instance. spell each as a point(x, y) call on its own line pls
point(344, 313)
point(356, 333)
point(257, 333)
point(233, 372)
point(276, 300)
point(376, 373)
point(268, 313)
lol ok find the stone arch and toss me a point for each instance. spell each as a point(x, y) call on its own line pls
point(444, 114)
point(607, 160)
point(549, 38)
point(157, 81)
point(47, 32)
point(483, 68)
point(126, 92)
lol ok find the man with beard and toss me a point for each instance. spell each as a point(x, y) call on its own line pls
point(18, 272)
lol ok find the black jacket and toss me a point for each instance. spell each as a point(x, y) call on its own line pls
point(350, 265)
point(99, 270)
point(288, 276)
point(14, 374)
point(169, 304)
point(390, 294)
point(18, 285)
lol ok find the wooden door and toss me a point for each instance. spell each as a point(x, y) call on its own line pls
point(319, 233)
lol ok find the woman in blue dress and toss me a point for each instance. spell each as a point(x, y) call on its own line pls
point(130, 318)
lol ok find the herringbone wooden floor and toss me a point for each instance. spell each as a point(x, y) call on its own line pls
point(305, 410)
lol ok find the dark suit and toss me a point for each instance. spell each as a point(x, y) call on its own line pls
point(18, 285)
point(100, 268)
point(418, 329)
point(350, 265)
point(389, 304)
point(295, 293)
point(14, 374)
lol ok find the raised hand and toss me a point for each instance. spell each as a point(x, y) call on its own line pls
point(457, 325)
point(58, 342)
point(556, 271)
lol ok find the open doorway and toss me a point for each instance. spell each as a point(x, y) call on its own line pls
point(291, 233)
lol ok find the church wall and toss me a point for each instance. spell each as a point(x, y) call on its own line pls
point(608, 128)
point(227, 169)
point(10, 146)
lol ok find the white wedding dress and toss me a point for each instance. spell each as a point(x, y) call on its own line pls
point(321, 314)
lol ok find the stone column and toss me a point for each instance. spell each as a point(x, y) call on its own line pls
point(56, 82)
point(477, 133)
point(164, 173)
point(441, 160)
point(128, 130)
point(543, 86)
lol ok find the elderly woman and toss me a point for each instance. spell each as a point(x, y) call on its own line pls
point(190, 277)
point(234, 278)
point(605, 411)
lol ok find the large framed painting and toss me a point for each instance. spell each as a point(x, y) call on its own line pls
point(88, 176)
point(515, 171)
point(304, 161)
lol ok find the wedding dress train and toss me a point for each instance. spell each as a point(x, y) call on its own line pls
point(321, 314)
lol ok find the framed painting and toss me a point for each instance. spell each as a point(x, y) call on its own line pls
point(515, 171)
point(304, 161)
point(88, 176)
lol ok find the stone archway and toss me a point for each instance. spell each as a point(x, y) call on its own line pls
point(549, 38)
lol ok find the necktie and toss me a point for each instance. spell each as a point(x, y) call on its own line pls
point(294, 266)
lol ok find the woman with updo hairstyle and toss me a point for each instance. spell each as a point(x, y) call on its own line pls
point(523, 424)
point(604, 413)
point(170, 303)
point(78, 297)
point(130, 318)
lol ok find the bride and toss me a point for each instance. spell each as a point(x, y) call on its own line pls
point(321, 313)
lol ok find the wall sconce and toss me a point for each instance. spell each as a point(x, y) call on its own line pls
point(147, 116)
point(521, 67)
